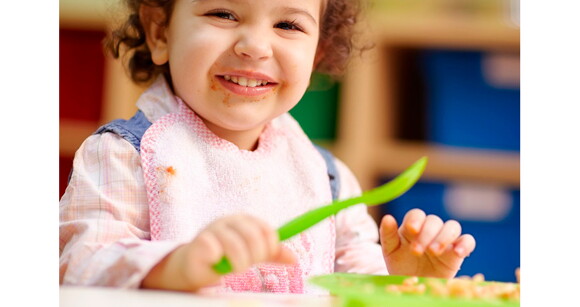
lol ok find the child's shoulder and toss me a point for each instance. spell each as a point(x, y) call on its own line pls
point(132, 130)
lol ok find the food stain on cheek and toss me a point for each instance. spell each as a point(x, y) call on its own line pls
point(272, 93)
point(213, 86)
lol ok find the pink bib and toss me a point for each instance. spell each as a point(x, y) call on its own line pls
point(193, 177)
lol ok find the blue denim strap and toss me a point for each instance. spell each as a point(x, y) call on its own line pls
point(133, 129)
point(331, 170)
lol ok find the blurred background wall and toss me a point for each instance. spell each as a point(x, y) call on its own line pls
point(442, 81)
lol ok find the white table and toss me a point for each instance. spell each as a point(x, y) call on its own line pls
point(110, 297)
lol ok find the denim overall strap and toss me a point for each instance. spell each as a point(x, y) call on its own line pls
point(133, 129)
point(332, 171)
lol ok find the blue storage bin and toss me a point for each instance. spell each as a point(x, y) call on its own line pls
point(490, 214)
point(463, 109)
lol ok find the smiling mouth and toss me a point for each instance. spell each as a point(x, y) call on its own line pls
point(246, 82)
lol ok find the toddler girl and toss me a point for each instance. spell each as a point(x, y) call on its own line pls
point(212, 163)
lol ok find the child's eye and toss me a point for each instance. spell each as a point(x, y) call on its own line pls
point(223, 14)
point(289, 25)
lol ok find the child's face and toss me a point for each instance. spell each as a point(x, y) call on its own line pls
point(211, 42)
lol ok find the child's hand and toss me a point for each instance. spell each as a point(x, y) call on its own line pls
point(424, 245)
point(243, 239)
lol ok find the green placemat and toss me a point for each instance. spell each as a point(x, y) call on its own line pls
point(369, 290)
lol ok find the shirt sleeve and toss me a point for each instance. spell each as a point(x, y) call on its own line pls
point(104, 218)
point(357, 250)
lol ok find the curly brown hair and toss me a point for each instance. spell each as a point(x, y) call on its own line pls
point(336, 39)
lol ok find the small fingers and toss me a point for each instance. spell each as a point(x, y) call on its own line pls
point(389, 235)
point(275, 252)
point(211, 246)
point(412, 224)
point(234, 247)
point(246, 240)
point(455, 253)
point(254, 235)
point(447, 235)
point(464, 246)
point(431, 228)
point(269, 238)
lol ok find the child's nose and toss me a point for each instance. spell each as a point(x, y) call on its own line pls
point(253, 46)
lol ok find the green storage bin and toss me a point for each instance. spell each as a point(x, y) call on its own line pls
point(317, 110)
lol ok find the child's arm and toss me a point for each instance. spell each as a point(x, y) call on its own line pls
point(104, 218)
point(104, 229)
point(424, 245)
point(243, 239)
point(357, 233)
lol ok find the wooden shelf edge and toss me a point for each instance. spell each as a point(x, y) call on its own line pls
point(451, 163)
point(444, 32)
point(89, 14)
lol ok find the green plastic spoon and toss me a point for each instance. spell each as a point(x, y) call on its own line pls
point(379, 195)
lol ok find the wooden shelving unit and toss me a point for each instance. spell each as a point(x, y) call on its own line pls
point(366, 137)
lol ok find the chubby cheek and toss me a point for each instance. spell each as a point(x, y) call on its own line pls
point(298, 69)
point(184, 81)
point(190, 64)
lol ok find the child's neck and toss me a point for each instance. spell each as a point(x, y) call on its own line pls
point(246, 139)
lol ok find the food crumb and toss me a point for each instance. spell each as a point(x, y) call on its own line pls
point(170, 170)
point(461, 287)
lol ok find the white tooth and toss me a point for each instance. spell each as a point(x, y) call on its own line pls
point(227, 77)
point(252, 82)
point(264, 82)
point(234, 78)
point(243, 81)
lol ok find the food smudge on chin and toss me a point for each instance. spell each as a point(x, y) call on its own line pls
point(226, 100)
